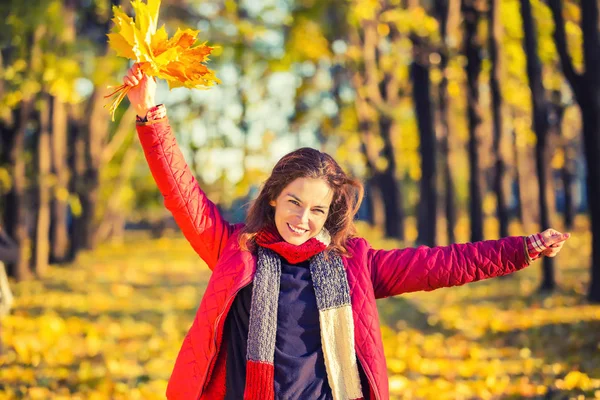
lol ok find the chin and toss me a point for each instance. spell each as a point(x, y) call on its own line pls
point(295, 240)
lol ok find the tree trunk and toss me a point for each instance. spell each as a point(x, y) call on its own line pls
point(567, 171)
point(59, 234)
point(42, 227)
point(383, 186)
point(97, 131)
point(113, 214)
point(76, 184)
point(494, 41)
point(568, 174)
point(527, 211)
point(591, 131)
point(59, 230)
point(586, 87)
point(95, 127)
point(427, 210)
point(388, 184)
point(541, 127)
point(443, 12)
point(15, 211)
point(473, 53)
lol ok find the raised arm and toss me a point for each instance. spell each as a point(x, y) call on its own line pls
point(198, 217)
point(423, 268)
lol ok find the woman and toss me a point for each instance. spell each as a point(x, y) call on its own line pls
point(289, 311)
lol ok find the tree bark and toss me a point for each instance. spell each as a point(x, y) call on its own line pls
point(494, 41)
point(15, 205)
point(77, 166)
point(443, 13)
point(42, 227)
point(113, 215)
point(473, 53)
point(586, 87)
point(373, 120)
point(427, 210)
point(567, 171)
point(527, 211)
point(568, 174)
point(541, 126)
point(59, 230)
point(388, 184)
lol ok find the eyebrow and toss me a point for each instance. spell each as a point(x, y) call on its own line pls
point(296, 197)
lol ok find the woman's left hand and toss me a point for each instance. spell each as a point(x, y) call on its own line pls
point(554, 240)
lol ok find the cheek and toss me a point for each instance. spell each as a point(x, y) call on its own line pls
point(319, 222)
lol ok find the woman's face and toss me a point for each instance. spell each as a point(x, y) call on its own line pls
point(302, 209)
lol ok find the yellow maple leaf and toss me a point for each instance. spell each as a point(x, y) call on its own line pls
point(178, 60)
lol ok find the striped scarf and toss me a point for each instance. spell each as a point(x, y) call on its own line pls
point(335, 315)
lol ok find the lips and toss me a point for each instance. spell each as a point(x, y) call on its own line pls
point(298, 231)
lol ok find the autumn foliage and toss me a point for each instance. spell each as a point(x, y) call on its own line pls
point(178, 60)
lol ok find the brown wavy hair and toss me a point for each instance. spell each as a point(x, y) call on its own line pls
point(308, 163)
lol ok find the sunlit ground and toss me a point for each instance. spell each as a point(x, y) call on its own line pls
point(110, 327)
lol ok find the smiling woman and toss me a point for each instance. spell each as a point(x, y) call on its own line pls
point(306, 192)
point(296, 219)
point(290, 312)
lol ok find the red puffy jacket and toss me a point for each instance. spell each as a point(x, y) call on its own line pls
point(199, 371)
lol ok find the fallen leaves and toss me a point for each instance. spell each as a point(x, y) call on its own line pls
point(111, 326)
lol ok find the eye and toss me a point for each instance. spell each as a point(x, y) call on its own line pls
point(294, 202)
point(320, 210)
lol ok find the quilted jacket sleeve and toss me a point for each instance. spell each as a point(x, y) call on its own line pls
point(423, 268)
point(198, 217)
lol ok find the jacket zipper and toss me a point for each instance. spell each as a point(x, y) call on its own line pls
point(227, 305)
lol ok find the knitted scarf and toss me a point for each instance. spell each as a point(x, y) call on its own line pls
point(335, 315)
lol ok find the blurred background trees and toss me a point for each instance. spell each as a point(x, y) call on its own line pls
point(465, 119)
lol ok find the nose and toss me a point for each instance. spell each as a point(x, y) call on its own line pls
point(303, 215)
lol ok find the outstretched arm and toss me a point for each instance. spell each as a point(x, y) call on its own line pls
point(198, 217)
point(423, 268)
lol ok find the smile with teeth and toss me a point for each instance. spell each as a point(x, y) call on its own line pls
point(297, 230)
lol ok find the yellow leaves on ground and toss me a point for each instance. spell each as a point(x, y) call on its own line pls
point(109, 327)
point(497, 338)
point(179, 60)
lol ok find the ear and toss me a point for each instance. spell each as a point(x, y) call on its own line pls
point(272, 203)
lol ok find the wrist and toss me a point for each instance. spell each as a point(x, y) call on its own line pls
point(142, 109)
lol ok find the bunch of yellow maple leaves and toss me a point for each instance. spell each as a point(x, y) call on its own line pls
point(178, 60)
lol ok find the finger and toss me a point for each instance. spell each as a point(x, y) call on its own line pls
point(127, 81)
point(560, 238)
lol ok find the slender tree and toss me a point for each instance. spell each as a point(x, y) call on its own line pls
point(444, 10)
point(473, 51)
point(59, 235)
point(41, 244)
point(375, 119)
point(541, 126)
point(420, 77)
point(15, 206)
point(494, 42)
point(586, 88)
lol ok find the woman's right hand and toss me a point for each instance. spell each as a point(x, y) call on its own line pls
point(142, 89)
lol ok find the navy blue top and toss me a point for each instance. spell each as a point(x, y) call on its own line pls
point(299, 365)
